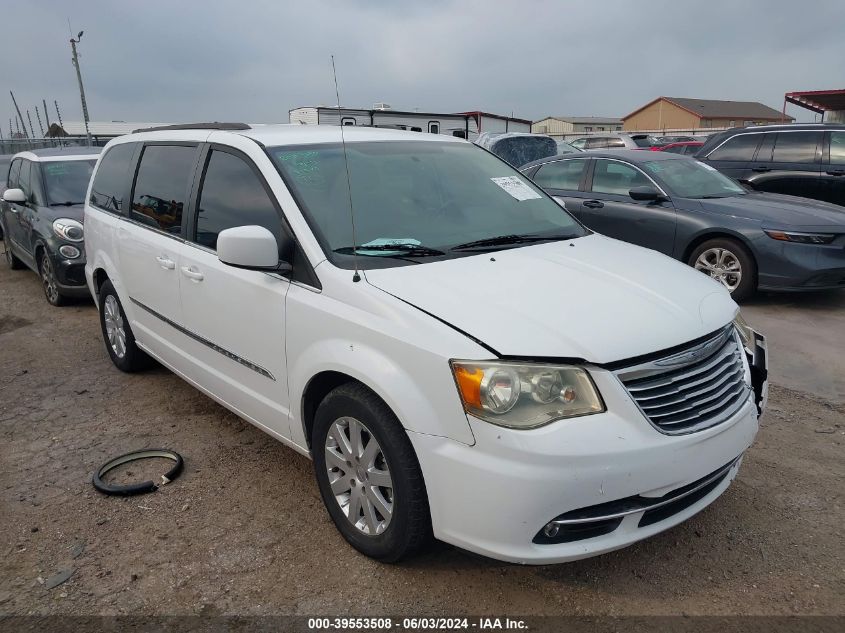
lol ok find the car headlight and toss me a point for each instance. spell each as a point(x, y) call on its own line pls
point(524, 395)
point(68, 229)
point(744, 330)
point(800, 238)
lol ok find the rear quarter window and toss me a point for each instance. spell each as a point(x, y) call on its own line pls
point(111, 180)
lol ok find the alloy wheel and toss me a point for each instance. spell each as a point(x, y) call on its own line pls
point(359, 476)
point(722, 265)
point(115, 331)
point(48, 279)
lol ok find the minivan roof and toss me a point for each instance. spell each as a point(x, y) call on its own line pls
point(293, 134)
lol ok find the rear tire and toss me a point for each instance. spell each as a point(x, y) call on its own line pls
point(369, 476)
point(117, 335)
point(729, 262)
point(13, 262)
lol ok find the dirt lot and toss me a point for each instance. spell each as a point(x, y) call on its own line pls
point(243, 531)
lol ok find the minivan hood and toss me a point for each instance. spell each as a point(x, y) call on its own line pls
point(780, 211)
point(591, 298)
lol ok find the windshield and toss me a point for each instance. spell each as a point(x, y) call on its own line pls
point(689, 178)
point(67, 180)
point(432, 195)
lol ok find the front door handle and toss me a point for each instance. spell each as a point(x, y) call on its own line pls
point(836, 172)
point(761, 169)
point(165, 262)
point(192, 273)
point(594, 204)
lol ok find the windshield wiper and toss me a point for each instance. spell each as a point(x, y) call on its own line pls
point(504, 240)
point(64, 204)
point(415, 250)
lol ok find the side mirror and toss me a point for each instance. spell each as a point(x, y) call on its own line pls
point(252, 247)
point(646, 193)
point(14, 195)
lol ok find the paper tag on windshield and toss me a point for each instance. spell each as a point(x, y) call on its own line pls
point(516, 187)
point(392, 241)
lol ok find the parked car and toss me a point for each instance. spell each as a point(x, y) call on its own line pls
point(666, 140)
point(801, 160)
point(41, 216)
point(424, 356)
point(5, 161)
point(518, 148)
point(684, 148)
point(689, 211)
point(615, 141)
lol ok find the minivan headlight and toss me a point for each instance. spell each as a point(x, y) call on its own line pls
point(745, 331)
point(68, 229)
point(525, 395)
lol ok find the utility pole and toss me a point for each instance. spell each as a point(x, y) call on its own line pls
point(18, 110)
point(73, 43)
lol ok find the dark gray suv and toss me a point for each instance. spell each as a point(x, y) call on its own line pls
point(798, 160)
point(41, 217)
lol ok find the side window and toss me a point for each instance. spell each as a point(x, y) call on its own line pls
point(617, 178)
point(561, 174)
point(764, 154)
point(14, 174)
point(161, 186)
point(232, 195)
point(578, 143)
point(24, 179)
point(110, 184)
point(796, 147)
point(740, 147)
point(837, 148)
point(596, 143)
point(615, 142)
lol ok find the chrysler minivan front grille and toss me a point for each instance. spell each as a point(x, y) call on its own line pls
point(693, 389)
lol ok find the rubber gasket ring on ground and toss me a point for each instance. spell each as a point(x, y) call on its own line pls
point(145, 486)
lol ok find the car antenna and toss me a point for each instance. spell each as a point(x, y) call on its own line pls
point(356, 275)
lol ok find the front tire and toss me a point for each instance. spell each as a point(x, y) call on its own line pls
point(369, 476)
point(118, 336)
point(728, 262)
point(49, 281)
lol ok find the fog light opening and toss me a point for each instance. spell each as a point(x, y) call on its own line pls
point(551, 530)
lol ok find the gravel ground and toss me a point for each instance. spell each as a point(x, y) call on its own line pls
point(243, 530)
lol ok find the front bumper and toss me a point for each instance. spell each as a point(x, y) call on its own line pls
point(495, 498)
point(786, 266)
point(70, 275)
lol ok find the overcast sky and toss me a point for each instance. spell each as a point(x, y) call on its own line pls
point(166, 61)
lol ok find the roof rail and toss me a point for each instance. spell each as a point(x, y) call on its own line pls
point(196, 126)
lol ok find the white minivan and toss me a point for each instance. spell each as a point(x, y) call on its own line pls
point(458, 355)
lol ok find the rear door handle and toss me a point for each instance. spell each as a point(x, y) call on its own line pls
point(594, 204)
point(192, 273)
point(836, 172)
point(761, 169)
point(165, 262)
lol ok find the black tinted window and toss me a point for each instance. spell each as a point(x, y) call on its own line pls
point(837, 147)
point(617, 178)
point(161, 187)
point(562, 174)
point(738, 148)
point(796, 147)
point(233, 195)
point(110, 183)
point(14, 173)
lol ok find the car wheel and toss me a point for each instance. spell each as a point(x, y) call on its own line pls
point(48, 280)
point(13, 262)
point(728, 262)
point(120, 342)
point(369, 476)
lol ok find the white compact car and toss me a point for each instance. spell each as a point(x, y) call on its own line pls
point(458, 355)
